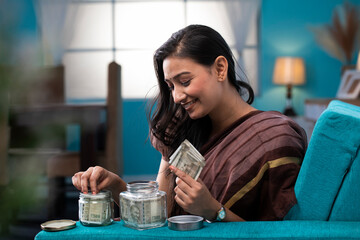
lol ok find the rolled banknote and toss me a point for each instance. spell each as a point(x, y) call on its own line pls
point(188, 159)
point(142, 213)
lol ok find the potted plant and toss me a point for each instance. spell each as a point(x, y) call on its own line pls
point(340, 37)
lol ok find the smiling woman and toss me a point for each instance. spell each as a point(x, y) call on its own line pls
point(246, 151)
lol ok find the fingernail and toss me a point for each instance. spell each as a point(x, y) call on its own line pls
point(94, 193)
point(171, 168)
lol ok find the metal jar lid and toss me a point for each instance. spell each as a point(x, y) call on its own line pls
point(58, 225)
point(185, 222)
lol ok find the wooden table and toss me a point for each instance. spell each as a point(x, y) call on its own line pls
point(88, 116)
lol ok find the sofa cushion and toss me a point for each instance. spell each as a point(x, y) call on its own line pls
point(347, 204)
point(327, 167)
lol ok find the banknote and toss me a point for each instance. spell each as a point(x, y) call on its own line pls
point(138, 213)
point(98, 211)
point(188, 159)
point(94, 212)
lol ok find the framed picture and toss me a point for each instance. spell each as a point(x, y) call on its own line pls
point(350, 85)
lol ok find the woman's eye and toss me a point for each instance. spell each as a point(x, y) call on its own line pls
point(171, 87)
point(186, 83)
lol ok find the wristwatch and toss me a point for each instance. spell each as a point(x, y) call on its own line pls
point(221, 214)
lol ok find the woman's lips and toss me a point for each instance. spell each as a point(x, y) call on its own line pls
point(189, 104)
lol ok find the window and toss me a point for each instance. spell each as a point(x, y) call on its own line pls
point(130, 31)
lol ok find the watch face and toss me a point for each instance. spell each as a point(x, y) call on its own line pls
point(222, 214)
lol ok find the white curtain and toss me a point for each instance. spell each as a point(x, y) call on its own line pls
point(55, 25)
point(240, 14)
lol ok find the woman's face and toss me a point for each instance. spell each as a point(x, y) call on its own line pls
point(192, 85)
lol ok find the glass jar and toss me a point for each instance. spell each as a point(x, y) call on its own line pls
point(96, 209)
point(143, 206)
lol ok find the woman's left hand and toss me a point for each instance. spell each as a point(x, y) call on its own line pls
point(193, 196)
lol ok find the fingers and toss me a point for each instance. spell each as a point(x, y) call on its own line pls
point(183, 176)
point(186, 190)
point(179, 200)
point(90, 179)
point(184, 182)
point(76, 180)
point(84, 179)
point(182, 194)
point(184, 187)
point(96, 177)
point(194, 199)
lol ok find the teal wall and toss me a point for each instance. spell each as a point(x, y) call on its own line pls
point(284, 32)
point(140, 157)
point(18, 30)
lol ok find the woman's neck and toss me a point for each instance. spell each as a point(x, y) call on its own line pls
point(230, 110)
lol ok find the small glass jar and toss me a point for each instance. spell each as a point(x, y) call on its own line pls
point(96, 209)
point(143, 206)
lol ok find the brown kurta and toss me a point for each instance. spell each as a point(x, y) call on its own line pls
point(251, 168)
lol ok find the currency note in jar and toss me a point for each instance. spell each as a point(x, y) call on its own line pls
point(143, 206)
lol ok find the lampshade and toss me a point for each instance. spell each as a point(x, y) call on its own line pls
point(358, 63)
point(289, 70)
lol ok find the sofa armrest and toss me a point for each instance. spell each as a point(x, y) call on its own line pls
point(220, 230)
point(327, 185)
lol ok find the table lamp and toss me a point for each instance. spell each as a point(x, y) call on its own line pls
point(289, 71)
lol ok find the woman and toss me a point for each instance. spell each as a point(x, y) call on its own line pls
point(252, 157)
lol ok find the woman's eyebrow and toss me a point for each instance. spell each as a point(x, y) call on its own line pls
point(177, 76)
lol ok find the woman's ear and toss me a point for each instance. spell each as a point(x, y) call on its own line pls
point(221, 67)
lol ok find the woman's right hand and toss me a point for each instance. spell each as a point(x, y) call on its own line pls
point(96, 179)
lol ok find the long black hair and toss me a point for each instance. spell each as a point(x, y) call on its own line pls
point(168, 121)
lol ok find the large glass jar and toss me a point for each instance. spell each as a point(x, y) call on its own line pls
point(143, 206)
point(96, 209)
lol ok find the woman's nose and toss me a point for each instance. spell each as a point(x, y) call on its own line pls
point(178, 94)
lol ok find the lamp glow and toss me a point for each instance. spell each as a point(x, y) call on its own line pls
point(289, 71)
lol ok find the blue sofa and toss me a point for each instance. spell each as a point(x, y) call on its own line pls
point(327, 190)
